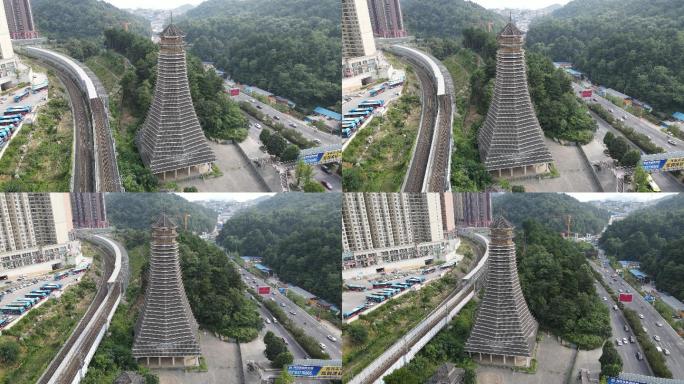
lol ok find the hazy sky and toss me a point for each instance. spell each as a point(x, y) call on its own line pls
point(152, 4)
point(528, 4)
point(619, 196)
point(222, 196)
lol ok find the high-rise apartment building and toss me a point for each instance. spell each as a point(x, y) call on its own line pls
point(88, 210)
point(20, 19)
point(472, 209)
point(379, 229)
point(8, 63)
point(386, 18)
point(34, 229)
point(359, 56)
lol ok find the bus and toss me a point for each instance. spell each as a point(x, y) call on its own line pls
point(371, 104)
point(652, 184)
point(369, 110)
point(32, 295)
point(22, 303)
point(356, 288)
point(396, 83)
point(9, 119)
point(376, 298)
point(21, 96)
point(381, 284)
point(12, 310)
point(415, 280)
point(354, 312)
point(3, 321)
point(61, 275)
point(354, 115)
point(389, 292)
point(400, 286)
point(427, 271)
point(51, 287)
point(39, 87)
point(31, 301)
point(377, 90)
point(43, 292)
point(17, 110)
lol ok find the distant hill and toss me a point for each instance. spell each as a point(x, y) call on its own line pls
point(446, 18)
point(291, 48)
point(654, 237)
point(298, 235)
point(634, 46)
point(550, 209)
point(140, 210)
point(83, 19)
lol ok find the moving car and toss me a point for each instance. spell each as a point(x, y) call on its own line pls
point(656, 337)
point(639, 356)
point(326, 185)
point(332, 338)
point(666, 352)
point(671, 142)
point(641, 315)
point(321, 345)
point(659, 324)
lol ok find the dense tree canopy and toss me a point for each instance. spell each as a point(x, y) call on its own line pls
point(298, 235)
point(289, 48)
point(446, 18)
point(215, 290)
point(140, 210)
point(634, 46)
point(551, 209)
point(654, 237)
point(83, 19)
point(558, 286)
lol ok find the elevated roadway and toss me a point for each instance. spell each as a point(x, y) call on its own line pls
point(71, 363)
point(94, 167)
point(430, 166)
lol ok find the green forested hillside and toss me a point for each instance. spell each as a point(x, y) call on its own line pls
point(558, 285)
point(446, 18)
point(654, 237)
point(292, 49)
point(634, 46)
point(140, 210)
point(83, 19)
point(298, 235)
point(550, 209)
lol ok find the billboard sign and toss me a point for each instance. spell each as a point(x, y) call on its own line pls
point(586, 93)
point(625, 297)
point(315, 371)
point(264, 290)
point(323, 157)
point(671, 164)
point(617, 380)
point(234, 91)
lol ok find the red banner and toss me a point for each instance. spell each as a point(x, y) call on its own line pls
point(264, 290)
point(586, 93)
point(235, 91)
point(626, 297)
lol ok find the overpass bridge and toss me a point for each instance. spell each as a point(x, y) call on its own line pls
point(406, 348)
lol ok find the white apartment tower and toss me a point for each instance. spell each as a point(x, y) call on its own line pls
point(7, 58)
point(34, 229)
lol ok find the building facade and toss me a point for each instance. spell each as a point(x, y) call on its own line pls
point(359, 56)
point(446, 200)
point(472, 209)
point(88, 210)
point(504, 331)
point(8, 65)
point(20, 19)
point(166, 331)
point(171, 142)
point(34, 229)
point(386, 18)
point(511, 141)
point(390, 230)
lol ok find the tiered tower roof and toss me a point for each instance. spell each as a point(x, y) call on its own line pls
point(171, 138)
point(504, 324)
point(511, 135)
point(166, 327)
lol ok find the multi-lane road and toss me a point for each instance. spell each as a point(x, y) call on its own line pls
point(628, 351)
point(669, 339)
point(666, 181)
point(311, 133)
point(301, 318)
